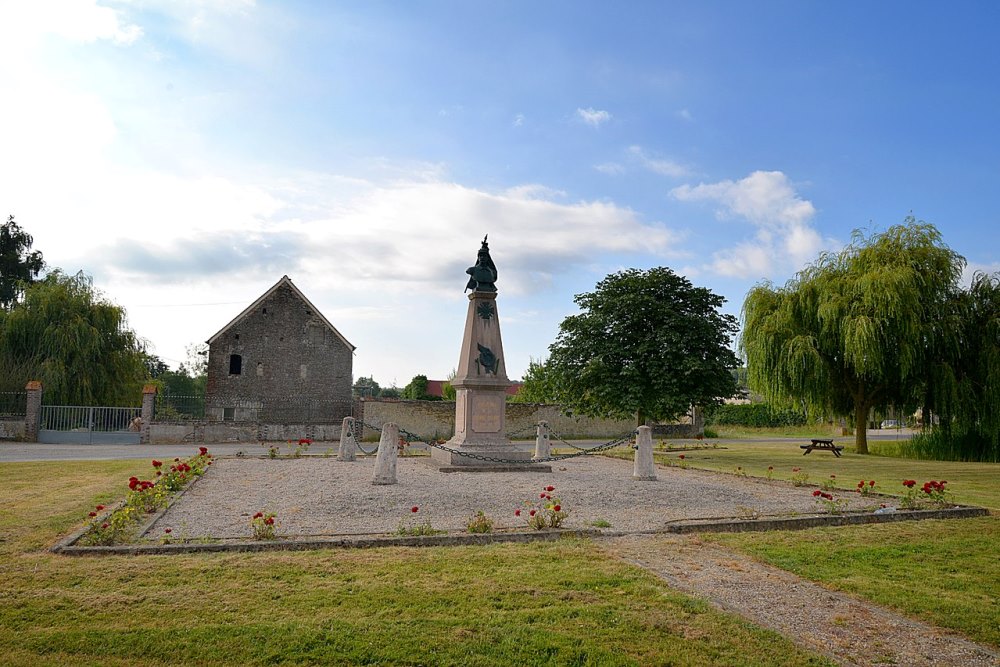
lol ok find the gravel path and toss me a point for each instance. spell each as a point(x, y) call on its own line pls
point(849, 630)
point(323, 496)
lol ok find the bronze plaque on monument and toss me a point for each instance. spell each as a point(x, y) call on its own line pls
point(487, 412)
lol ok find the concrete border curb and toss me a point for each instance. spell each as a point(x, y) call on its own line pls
point(66, 546)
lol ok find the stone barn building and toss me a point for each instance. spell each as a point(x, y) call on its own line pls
point(279, 361)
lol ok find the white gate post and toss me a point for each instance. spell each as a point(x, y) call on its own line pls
point(644, 469)
point(542, 449)
point(388, 450)
point(348, 444)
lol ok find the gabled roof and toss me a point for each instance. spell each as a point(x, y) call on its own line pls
point(285, 280)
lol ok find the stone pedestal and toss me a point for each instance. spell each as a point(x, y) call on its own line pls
point(480, 397)
point(385, 460)
point(348, 444)
point(643, 467)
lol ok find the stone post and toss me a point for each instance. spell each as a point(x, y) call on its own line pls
point(542, 450)
point(388, 450)
point(644, 469)
point(33, 413)
point(348, 444)
point(148, 401)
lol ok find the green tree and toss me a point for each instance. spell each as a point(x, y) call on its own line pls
point(75, 341)
point(858, 329)
point(537, 385)
point(966, 384)
point(19, 265)
point(417, 389)
point(647, 344)
point(367, 387)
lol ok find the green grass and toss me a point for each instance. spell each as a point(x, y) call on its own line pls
point(944, 572)
point(968, 483)
point(552, 604)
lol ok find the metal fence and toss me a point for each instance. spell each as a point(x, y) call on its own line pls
point(13, 403)
point(85, 418)
point(178, 408)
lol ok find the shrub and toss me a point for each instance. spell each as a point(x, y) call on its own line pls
point(756, 415)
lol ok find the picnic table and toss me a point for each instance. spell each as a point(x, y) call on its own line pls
point(820, 443)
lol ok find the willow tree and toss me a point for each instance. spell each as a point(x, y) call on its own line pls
point(75, 341)
point(858, 329)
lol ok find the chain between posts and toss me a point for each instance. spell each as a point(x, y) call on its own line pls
point(582, 451)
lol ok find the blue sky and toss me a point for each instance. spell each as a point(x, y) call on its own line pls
point(188, 154)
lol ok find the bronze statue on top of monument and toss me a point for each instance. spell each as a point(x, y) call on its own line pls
point(483, 275)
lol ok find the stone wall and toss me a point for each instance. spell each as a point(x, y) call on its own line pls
point(292, 365)
point(253, 433)
point(436, 419)
point(12, 429)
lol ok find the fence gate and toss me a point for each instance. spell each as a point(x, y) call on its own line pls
point(74, 424)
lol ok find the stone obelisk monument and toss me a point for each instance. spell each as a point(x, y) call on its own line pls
point(481, 385)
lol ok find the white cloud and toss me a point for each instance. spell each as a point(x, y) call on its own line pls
point(763, 197)
point(785, 238)
point(657, 165)
point(593, 117)
point(518, 120)
point(610, 168)
point(24, 23)
point(684, 114)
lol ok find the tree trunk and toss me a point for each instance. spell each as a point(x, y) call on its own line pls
point(640, 417)
point(861, 410)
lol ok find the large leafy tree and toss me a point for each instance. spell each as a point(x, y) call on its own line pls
point(966, 385)
point(19, 265)
point(858, 329)
point(78, 343)
point(536, 385)
point(647, 344)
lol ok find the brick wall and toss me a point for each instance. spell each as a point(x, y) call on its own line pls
point(291, 364)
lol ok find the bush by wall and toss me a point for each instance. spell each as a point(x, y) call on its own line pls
point(754, 415)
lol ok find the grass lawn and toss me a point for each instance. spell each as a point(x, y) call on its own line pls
point(944, 572)
point(970, 483)
point(558, 604)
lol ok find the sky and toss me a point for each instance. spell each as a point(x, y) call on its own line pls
point(187, 154)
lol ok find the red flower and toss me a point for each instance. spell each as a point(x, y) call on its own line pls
point(827, 496)
point(543, 495)
point(871, 482)
point(531, 513)
point(796, 469)
point(104, 526)
point(100, 507)
point(909, 483)
point(550, 489)
point(269, 521)
point(258, 515)
point(177, 459)
point(158, 473)
point(816, 493)
point(770, 467)
point(168, 530)
point(157, 464)
point(517, 512)
point(557, 507)
point(680, 456)
point(414, 509)
point(92, 514)
point(203, 450)
point(833, 477)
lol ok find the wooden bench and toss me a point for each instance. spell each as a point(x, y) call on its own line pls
point(819, 443)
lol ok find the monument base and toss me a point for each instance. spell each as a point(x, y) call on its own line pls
point(454, 461)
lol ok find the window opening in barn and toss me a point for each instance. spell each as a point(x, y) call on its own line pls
point(260, 369)
point(228, 414)
point(235, 364)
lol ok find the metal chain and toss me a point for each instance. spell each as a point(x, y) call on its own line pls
point(357, 437)
point(581, 451)
point(555, 436)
